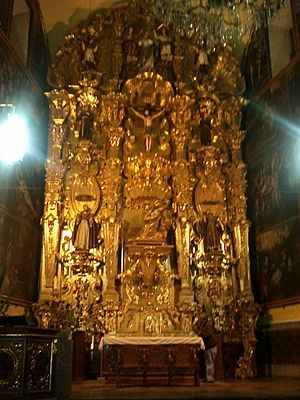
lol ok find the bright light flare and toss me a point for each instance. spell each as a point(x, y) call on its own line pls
point(13, 138)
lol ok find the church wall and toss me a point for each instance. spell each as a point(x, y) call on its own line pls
point(284, 340)
point(272, 154)
point(22, 184)
point(285, 313)
point(281, 40)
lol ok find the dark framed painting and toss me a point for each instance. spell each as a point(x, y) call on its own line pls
point(19, 259)
point(274, 185)
point(261, 130)
point(278, 264)
point(257, 62)
point(21, 201)
point(22, 184)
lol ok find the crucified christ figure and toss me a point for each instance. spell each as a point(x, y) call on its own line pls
point(147, 117)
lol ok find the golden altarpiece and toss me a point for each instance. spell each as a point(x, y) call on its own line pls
point(145, 227)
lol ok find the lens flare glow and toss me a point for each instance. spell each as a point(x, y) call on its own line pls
point(13, 139)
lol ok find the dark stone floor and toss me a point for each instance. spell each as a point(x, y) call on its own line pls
point(227, 389)
point(277, 389)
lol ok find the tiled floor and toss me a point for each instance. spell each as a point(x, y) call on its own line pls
point(229, 389)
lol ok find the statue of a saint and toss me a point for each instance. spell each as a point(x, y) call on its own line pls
point(213, 232)
point(146, 52)
point(202, 63)
point(86, 126)
point(130, 47)
point(85, 233)
point(165, 44)
point(89, 50)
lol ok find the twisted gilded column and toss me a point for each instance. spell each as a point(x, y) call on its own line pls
point(59, 104)
point(111, 118)
point(237, 209)
point(244, 310)
point(180, 117)
point(117, 55)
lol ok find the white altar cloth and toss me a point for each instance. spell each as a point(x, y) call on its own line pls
point(151, 340)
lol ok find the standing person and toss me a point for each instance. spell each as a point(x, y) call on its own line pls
point(207, 333)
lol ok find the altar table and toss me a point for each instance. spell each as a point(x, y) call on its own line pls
point(148, 357)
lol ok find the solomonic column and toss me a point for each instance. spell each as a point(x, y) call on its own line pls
point(59, 105)
point(181, 116)
point(111, 117)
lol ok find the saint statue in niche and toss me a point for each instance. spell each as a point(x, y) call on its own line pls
point(165, 44)
point(146, 52)
point(130, 47)
point(86, 230)
point(213, 232)
point(89, 49)
point(86, 126)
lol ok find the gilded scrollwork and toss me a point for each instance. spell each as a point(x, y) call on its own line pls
point(110, 184)
point(113, 111)
point(59, 104)
point(225, 75)
point(148, 89)
point(246, 314)
point(117, 56)
point(229, 113)
point(180, 115)
point(147, 180)
point(147, 276)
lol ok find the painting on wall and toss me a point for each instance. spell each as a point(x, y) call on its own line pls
point(257, 68)
point(261, 126)
point(22, 184)
point(274, 181)
point(20, 234)
point(19, 260)
point(278, 263)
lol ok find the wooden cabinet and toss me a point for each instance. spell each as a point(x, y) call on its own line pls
point(26, 360)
